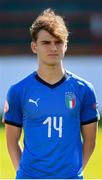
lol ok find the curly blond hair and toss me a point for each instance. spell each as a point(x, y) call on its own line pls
point(52, 23)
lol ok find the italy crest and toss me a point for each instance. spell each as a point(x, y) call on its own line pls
point(70, 100)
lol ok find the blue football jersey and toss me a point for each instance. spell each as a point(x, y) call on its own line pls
point(51, 116)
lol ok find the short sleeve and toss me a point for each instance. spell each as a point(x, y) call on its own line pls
point(89, 110)
point(12, 108)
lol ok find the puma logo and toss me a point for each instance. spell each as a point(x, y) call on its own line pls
point(34, 102)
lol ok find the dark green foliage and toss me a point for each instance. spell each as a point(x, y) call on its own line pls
point(100, 122)
point(1, 124)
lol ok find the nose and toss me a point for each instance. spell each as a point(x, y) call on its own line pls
point(53, 47)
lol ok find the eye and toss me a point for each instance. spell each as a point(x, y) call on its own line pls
point(59, 42)
point(45, 42)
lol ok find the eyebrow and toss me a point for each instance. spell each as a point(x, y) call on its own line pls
point(48, 41)
point(44, 41)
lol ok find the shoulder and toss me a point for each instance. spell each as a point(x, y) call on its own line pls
point(18, 87)
point(81, 87)
point(80, 82)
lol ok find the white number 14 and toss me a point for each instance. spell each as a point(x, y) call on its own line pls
point(52, 121)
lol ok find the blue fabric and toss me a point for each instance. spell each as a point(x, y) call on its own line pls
point(51, 118)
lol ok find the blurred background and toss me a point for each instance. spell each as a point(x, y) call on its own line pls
point(83, 57)
point(83, 17)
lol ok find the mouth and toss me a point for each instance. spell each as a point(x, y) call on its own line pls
point(52, 54)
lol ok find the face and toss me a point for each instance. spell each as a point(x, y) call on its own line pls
point(49, 50)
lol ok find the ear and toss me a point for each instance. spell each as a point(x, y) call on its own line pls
point(65, 47)
point(33, 47)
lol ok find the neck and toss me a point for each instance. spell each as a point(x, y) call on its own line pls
point(51, 74)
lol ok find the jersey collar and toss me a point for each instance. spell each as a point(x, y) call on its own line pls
point(51, 85)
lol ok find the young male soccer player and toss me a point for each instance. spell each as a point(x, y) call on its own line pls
point(54, 107)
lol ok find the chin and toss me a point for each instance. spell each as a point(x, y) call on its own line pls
point(52, 63)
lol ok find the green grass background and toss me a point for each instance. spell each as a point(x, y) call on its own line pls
point(92, 171)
